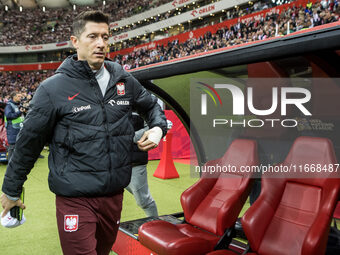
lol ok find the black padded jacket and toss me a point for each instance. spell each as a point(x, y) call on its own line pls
point(90, 136)
point(138, 157)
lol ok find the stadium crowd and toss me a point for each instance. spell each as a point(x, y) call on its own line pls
point(290, 20)
point(33, 26)
point(24, 82)
point(245, 9)
point(169, 14)
point(121, 9)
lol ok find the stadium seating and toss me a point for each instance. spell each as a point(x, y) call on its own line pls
point(270, 26)
point(211, 206)
point(293, 215)
point(33, 26)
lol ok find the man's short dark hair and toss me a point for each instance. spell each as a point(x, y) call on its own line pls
point(80, 21)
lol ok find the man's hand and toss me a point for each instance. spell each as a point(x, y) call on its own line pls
point(150, 139)
point(144, 144)
point(8, 204)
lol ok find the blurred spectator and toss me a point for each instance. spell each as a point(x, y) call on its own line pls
point(14, 119)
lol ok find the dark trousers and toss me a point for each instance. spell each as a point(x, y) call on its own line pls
point(88, 225)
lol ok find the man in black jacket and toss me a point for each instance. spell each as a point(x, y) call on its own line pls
point(138, 185)
point(13, 121)
point(84, 113)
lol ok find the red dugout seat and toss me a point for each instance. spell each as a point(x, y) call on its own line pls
point(210, 206)
point(292, 215)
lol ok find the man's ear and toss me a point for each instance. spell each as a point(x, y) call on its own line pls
point(74, 41)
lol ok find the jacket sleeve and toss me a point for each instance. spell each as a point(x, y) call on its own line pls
point(10, 113)
point(146, 105)
point(139, 133)
point(37, 128)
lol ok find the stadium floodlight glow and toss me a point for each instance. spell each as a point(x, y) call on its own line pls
point(74, 7)
point(176, 9)
point(179, 13)
point(44, 8)
point(20, 8)
point(6, 8)
point(222, 10)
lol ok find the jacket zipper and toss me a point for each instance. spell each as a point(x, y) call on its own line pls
point(95, 85)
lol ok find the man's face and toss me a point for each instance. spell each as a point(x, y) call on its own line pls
point(92, 44)
point(17, 98)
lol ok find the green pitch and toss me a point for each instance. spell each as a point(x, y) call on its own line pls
point(39, 235)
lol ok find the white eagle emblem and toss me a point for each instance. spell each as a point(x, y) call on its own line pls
point(71, 223)
point(120, 88)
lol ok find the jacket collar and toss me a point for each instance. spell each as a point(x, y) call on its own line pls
point(80, 69)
